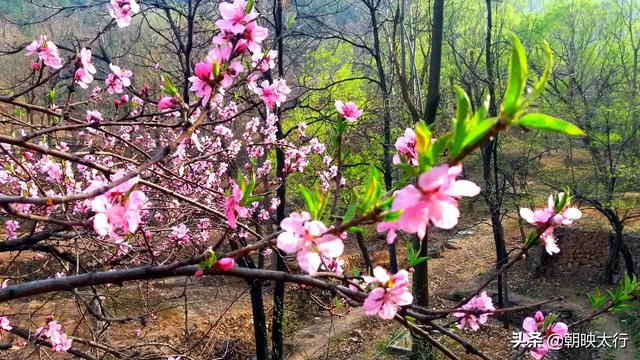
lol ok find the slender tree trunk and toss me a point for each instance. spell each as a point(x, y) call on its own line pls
point(259, 321)
point(435, 63)
point(421, 349)
point(489, 173)
point(277, 339)
point(365, 252)
point(257, 308)
point(617, 246)
point(388, 180)
point(187, 51)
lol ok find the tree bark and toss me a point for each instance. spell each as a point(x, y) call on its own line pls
point(435, 63)
point(489, 173)
point(277, 339)
point(388, 180)
point(617, 246)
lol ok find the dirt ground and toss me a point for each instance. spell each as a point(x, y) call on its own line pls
point(460, 268)
point(220, 322)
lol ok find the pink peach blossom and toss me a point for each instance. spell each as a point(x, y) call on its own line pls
point(234, 16)
point(4, 324)
point(309, 240)
point(252, 36)
point(481, 303)
point(549, 241)
point(232, 207)
point(274, 94)
point(535, 324)
point(59, 341)
point(83, 78)
point(86, 61)
point(264, 62)
point(115, 211)
point(179, 234)
point(201, 81)
point(391, 292)
point(433, 201)
point(47, 52)
point(123, 10)
point(406, 146)
point(11, 226)
point(118, 79)
point(348, 111)
point(547, 217)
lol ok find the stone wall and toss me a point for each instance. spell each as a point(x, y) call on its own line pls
point(583, 253)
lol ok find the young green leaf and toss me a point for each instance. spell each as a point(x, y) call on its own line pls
point(461, 122)
point(423, 143)
point(549, 123)
point(351, 212)
point(542, 82)
point(309, 200)
point(169, 88)
point(517, 77)
point(478, 131)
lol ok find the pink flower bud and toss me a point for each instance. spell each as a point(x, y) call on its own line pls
point(36, 66)
point(116, 103)
point(144, 90)
point(199, 274)
point(225, 264)
point(165, 103)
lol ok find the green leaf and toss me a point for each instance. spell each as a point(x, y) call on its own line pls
point(308, 199)
point(290, 21)
point(372, 192)
point(423, 143)
point(461, 122)
point(478, 131)
point(542, 82)
point(550, 319)
point(320, 201)
point(391, 216)
point(52, 96)
point(549, 123)
point(355, 271)
point(413, 255)
point(517, 77)
point(351, 212)
point(249, 6)
point(463, 108)
point(169, 88)
point(210, 259)
point(437, 148)
point(530, 239)
point(355, 229)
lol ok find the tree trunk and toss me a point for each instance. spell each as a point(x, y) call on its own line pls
point(420, 348)
point(490, 175)
point(435, 63)
point(257, 308)
point(377, 55)
point(277, 339)
point(616, 246)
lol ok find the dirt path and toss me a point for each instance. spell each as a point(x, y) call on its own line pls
point(455, 268)
point(355, 336)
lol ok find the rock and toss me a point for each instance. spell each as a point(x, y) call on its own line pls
point(452, 244)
